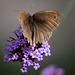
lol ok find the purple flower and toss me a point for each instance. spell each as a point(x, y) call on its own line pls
point(52, 70)
point(19, 49)
point(36, 66)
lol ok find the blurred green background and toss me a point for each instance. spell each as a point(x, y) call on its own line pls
point(62, 42)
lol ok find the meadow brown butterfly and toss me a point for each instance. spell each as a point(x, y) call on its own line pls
point(39, 26)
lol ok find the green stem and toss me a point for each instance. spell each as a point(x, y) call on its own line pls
point(65, 14)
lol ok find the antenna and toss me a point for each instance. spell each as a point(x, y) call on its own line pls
point(16, 10)
point(31, 7)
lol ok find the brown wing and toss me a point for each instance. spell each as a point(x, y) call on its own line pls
point(44, 23)
point(24, 20)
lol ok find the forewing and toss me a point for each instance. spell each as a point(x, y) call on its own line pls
point(24, 20)
point(40, 35)
point(44, 23)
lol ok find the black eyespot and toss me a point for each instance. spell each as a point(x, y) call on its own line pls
point(54, 16)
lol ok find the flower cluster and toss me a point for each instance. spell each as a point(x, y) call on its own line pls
point(19, 49)
point(52, 70)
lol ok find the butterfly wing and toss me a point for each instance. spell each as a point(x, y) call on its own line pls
point(44, 23)
point(24, 20)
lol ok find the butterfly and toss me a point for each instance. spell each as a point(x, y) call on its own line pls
point(40, 26)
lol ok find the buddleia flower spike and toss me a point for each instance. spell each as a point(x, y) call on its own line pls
point(19, 49)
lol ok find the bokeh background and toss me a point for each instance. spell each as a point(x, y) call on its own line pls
point(62, 42)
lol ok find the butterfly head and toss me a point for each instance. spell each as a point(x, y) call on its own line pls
point(30, 19)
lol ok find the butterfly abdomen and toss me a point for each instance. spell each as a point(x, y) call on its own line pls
point(31, 27)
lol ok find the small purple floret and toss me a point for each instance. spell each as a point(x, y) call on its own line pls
point(18, 49)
